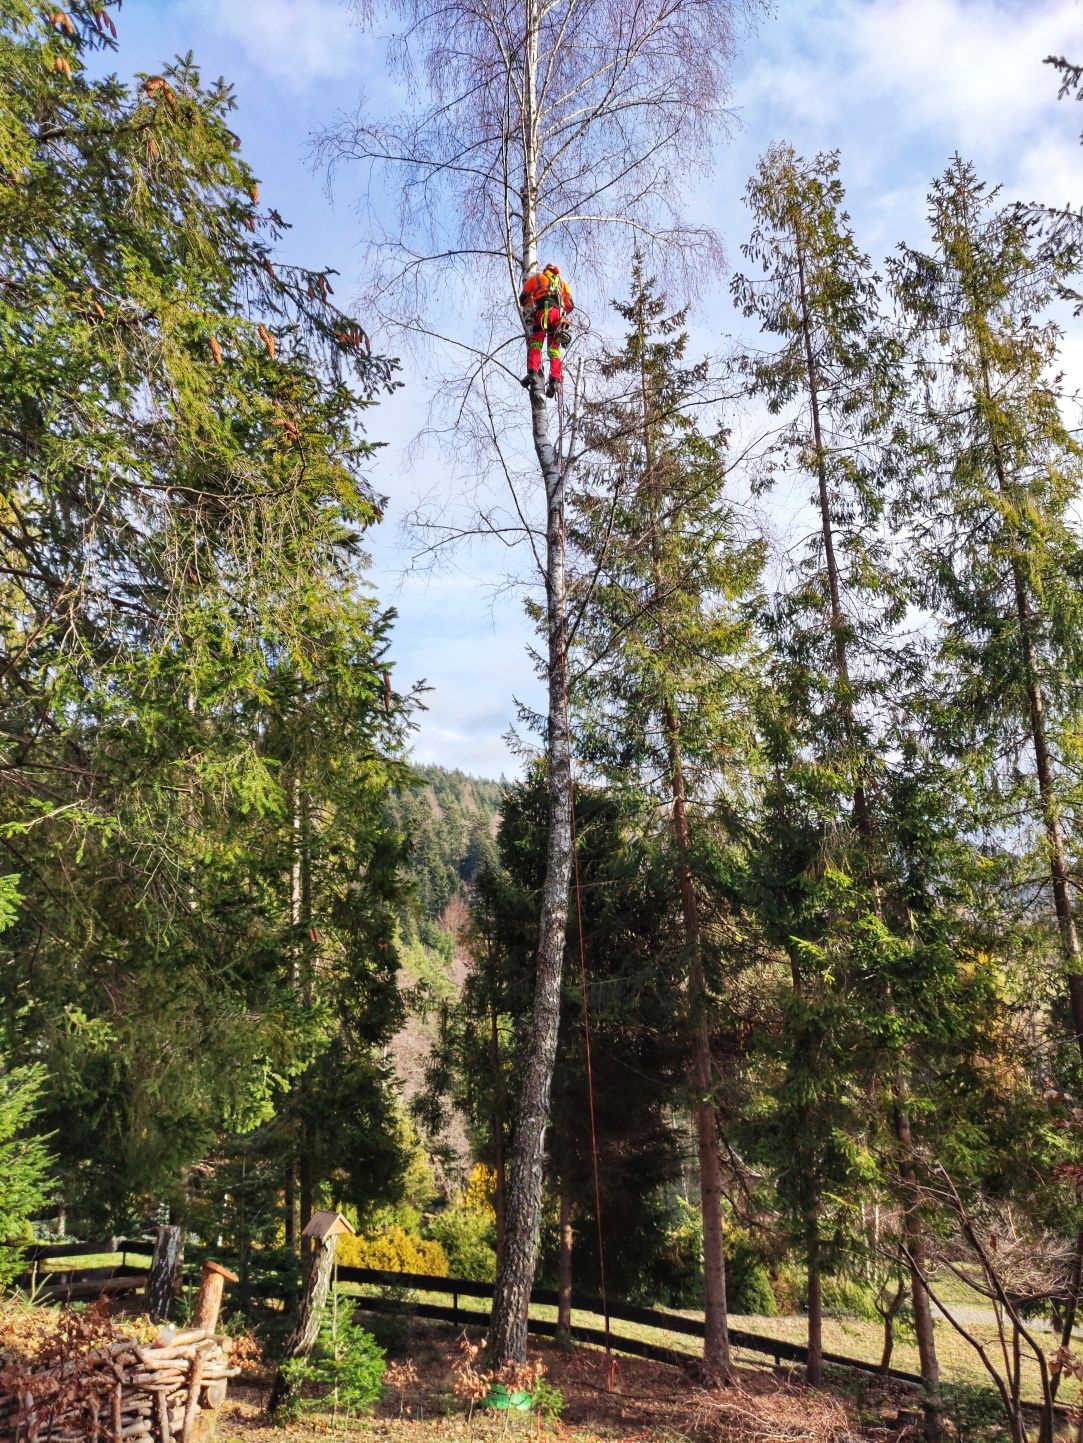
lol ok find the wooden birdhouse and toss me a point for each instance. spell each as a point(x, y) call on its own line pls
point(327, 1225)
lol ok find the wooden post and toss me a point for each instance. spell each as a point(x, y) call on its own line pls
point(325, 1229)
point(209, 1302)
point(164, 1276)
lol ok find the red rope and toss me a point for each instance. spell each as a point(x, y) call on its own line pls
point(590, 1073)
point(611, 1362)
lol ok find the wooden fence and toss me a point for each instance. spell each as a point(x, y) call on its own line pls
point(778, 1349)
point(71, 1284)
point(63, 1282)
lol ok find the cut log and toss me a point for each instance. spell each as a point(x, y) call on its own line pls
point(209, 1302)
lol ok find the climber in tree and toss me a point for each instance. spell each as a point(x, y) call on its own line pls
point(547, 304)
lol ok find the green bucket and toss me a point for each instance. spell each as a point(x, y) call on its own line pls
point(499, 1397)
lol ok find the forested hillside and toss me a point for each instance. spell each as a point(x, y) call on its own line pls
point(448, 821)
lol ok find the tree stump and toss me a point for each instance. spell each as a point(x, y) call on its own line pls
point(164, 1276)
point(325, 1229)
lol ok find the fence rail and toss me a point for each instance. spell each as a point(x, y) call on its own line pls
point(44, 1252)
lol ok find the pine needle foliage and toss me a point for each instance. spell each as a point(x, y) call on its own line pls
point(183, 631)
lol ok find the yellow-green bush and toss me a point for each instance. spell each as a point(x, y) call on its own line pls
point(480, 1192)
point(467, 1237)
point(394, 1250)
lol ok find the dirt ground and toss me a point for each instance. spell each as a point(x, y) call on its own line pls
point(644, 1402)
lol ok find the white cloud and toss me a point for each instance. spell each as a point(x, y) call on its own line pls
point(295, 44)
point(971, 67)
point(898, 86)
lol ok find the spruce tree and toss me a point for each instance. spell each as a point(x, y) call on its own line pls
point(183, 505)
point(825, 875)
point(998, 560)
point(664, 642)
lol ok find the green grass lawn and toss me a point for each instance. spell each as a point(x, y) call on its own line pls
point(851, 1337)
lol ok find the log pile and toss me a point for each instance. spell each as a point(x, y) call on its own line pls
point(122, 1391)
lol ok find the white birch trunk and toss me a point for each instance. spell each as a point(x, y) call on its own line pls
point(511, 1301)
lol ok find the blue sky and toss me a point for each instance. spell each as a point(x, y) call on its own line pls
point(895, 85)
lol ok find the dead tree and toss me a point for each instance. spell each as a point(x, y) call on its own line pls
point(1012, 1267)
point(569, 127)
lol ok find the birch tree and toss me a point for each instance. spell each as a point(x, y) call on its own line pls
point(568, 126)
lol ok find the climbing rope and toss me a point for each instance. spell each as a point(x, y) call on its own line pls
point(611, 1362)
point(560, 461)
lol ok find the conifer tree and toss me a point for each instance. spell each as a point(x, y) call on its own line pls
point(999, 560)
point(183, 501)
point(664, 645)
point(825, 875)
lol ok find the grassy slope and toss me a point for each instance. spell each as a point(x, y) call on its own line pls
point(852, 1337)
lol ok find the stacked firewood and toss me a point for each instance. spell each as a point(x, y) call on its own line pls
point(121, 1391)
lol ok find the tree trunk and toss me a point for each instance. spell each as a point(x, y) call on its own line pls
point(1071, 1305)
point(919, 1296)
point(716, 1343)
point(309, 1317)
point(515, 1276)
point(889, 1316)
point(165, 1267)
point(814, 1369)
point(500, 1199)
point(511, 1300)
point(564, 1281)
point(290, 1204)
point(923, 1326)
point(307, 1180)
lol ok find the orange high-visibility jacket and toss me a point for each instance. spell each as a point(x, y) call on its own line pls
point(546, 285)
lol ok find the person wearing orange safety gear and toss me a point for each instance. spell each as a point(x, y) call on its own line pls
point(547, 304)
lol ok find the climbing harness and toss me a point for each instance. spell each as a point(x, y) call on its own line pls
point(547, 303)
